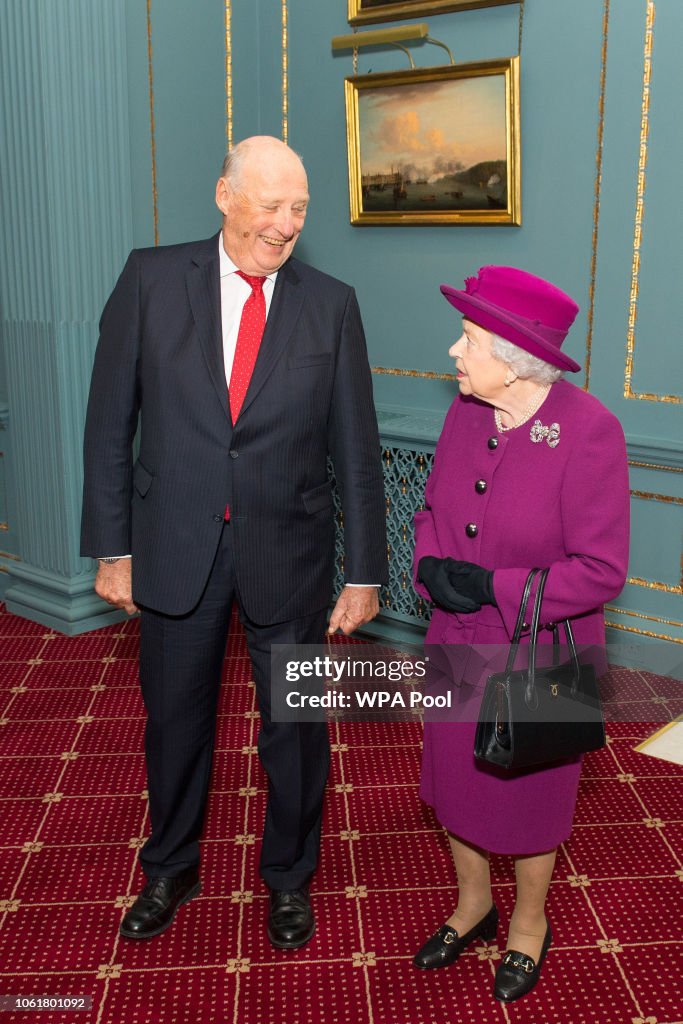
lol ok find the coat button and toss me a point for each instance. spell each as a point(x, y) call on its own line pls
point(218, 519)
point(492, 443)
point(234, 454)
point(471, 529)
point(480, 486)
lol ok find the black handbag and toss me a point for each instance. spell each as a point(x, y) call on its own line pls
point(535, 716)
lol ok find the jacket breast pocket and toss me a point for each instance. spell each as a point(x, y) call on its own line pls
point(312, 359)
point(318, 498)
point(142, 479)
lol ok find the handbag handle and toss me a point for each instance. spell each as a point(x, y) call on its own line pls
point(502, 729)
point(517, 633)
point(530, 695)
point(535, 619)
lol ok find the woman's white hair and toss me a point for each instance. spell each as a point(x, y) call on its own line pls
point(522, 363)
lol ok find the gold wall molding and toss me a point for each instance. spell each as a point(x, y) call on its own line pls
point(596, 194)
point(643, 632)
point(642, 615)
point(285, 74)
point(655, 465)
point(394, 371)
point(652, 496)
point(638, 221)
point(228, 74)
point(667, 588)
point(152, 135)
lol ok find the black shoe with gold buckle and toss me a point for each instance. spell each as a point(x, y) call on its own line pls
point(518, 973)
point(445, 946)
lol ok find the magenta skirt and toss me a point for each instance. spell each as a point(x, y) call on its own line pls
point(503, 812)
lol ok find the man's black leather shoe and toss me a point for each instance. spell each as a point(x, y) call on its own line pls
point(290, 921)
point(156, 906)
point(518, 973)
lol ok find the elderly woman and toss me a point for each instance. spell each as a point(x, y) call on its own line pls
point(530, 471)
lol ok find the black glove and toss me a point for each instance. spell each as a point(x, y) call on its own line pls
point(456, 586)
point(433, 572)
point(472, 581)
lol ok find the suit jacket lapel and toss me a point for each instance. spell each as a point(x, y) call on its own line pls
point(204, 293)
point(284, 311)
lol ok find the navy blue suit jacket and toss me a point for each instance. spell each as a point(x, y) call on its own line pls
point(159, 362)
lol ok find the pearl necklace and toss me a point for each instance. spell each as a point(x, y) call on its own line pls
point(534, 404)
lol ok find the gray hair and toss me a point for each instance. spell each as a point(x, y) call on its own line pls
point(522, 363)
point(235, 158)
point(233, 164)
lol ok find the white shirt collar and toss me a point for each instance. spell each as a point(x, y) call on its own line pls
point(228, 267)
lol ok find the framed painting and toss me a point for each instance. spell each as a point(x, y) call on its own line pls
point(363, 12)
point(435, 145)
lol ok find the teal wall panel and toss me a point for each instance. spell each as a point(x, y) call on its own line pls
point(176, 113)
point(140, 121)
point(65, 200)
point(257, 50)
point(188, 53)
point(9, 540)
point(653, 520)
point(656, 366)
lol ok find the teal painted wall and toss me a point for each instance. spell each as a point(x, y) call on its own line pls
point(564, 235)
point(188, 103)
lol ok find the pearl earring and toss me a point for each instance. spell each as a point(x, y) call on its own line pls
point(507, 382)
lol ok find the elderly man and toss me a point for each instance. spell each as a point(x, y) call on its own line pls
point(245, 369)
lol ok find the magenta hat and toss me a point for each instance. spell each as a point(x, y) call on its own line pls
point(520, 307)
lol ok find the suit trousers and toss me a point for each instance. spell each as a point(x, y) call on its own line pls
point(181, 659)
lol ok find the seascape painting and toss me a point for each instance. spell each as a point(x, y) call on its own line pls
point(434, 147)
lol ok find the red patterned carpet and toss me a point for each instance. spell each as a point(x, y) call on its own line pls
point(73, 814)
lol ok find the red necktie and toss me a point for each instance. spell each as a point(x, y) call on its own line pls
point(249, 337)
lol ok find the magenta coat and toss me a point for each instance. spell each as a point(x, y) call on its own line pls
point(563, 506)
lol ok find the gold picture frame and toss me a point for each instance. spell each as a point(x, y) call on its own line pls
point(435, 145)
point(366, 12)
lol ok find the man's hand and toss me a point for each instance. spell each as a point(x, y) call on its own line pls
point(114, 583)
point(355, 606)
